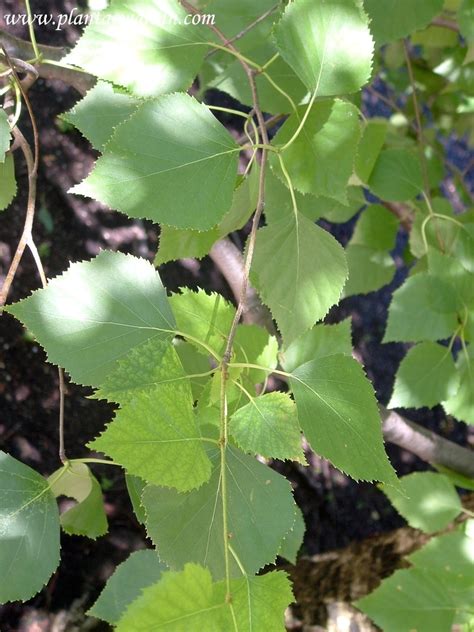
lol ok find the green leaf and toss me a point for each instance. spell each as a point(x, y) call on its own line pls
point(145, 368)
point(99, 113)
point(135, 487)
point(234, 81)
point(452, 286)
point(254, 345)
point(320, 341)
point(96, 312)
point(393, 19)
point(339, 416)
point(141, 569)
point(321, 159)
point(411, 599)
point(309, 278)
point(195, 365)
point(327, 44)
point(176, 243)
point(29, 531)
point(88, 517)
point(278, 203)
point(376, 228)
point(466, 20)
point(411, 317)
point(188, 600)
point(173, 145)
point(339, 213)
point(369, 270)
point(294, 538)
point(396, 176)
point(155, 436)
point(143, 45)
point(207, 317)
point(5, 134)
point(461, 405)
point(8, 185)
point(255, 495)
point(451, 553)
point(428, 501)
point(268, 425)
point(372, 141)
point(426, 376)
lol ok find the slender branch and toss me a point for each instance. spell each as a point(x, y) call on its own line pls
point(31, 30)
point(452, 25)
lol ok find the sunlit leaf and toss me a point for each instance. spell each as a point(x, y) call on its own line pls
point(392, 19)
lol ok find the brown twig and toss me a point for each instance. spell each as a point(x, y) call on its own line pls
point(452, 25)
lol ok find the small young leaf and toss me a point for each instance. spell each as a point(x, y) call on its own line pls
point(309, 278)
point(255, 495)
point(328, 44)
point(339, 416)
point(426, 376)
point(428, 501)
point(141, 569)
point(100, 112)
point(268, 425)
point(7, 182)
point(391, 20)
point(396, 176)
point(5, 134)
point(168, 145)
point(110, 305)
point(411, 317)
point(207, 317)
point(88, 517)
point(320, 341)
point(29, 531)
point(321, 160)
point(155, 436)
point(143, 45)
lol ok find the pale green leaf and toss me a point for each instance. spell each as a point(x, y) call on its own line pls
point(411, 317)
point(308, 279)
point(171, 162)
point(255, 495)
point(466, 20)
point(96, 312)
point(141, 569)
point(371, 143)
point(448, 553)
point(143, 45)
point(144, 368)
point(426, 376)
point(369, 269)
point(461, 405)
point(396, 176)
point(254, 345)
point(207, 317)
point(339, 416)
point(97, 115)
point(29, 531)
point(320, 341)
point(328, 44)
point(278, 202)
point(412, 599)
point(8, 185)
point(321, 159)
point(268, 425)
point(188, 600)
point(376, 228)
point(88, 516)
point(453, 285)
point(5, 134)
point(339, 213)
point(393, 19)
point(155, 436)
point(294, 538)
point(427, 500)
